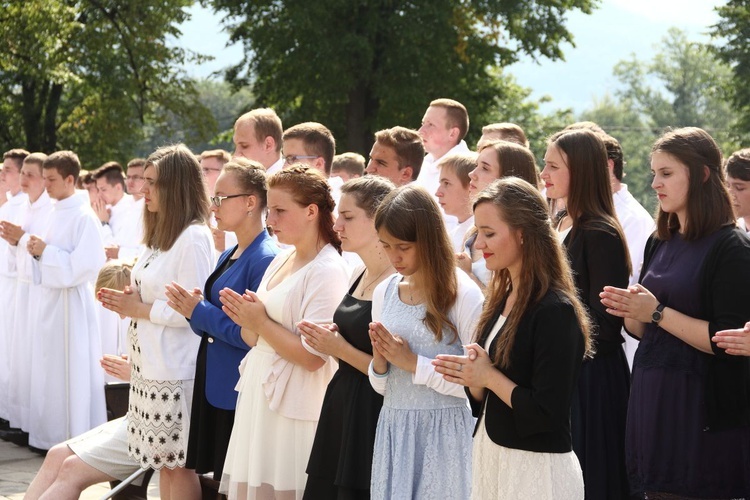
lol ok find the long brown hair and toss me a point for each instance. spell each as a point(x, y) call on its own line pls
point(409, 213)
point(308, 187)
point(590, 193)
point(514, 160)
point(183, 197)
point(708, 204)
point(544, 264)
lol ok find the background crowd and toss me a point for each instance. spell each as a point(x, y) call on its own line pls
point(432, 322)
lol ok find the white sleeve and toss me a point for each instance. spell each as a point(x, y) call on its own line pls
point(378, 381)
point(195, 265)
point(465, 314)
point(59, 268)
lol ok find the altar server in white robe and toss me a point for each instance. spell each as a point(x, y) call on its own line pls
point(10, 211)
point(35, 220)
point(67, 385)
point(122, 229)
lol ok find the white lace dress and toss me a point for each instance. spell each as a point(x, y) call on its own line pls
point(158, 410)
point(507, 473)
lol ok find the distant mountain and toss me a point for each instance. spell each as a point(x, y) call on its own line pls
point(612, 33)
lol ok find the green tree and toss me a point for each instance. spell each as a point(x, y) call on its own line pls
point(732, 44)
point(684, 85)
point(89, 74)
point(620, 118)
point(361, 66)
point(225, 105)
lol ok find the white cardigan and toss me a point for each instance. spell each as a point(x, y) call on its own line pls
point(291, 390)
point(464, 314)
point(168, 345)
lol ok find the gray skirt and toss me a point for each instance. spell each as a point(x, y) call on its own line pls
point(105, 448)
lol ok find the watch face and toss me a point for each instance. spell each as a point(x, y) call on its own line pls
point(656, 316)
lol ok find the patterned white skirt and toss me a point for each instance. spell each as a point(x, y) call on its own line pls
point(158, 415)
point(506, 473)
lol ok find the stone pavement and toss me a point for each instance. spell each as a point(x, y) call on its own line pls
point(18, 467)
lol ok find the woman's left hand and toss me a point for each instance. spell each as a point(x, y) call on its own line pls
point(323, 338)
point(125, 303)
point(735, 342)
point(471, 370)
point(181, 300)
point(634, 302)
point(394, 348)
point(246, 310)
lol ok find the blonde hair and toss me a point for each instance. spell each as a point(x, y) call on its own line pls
point(115, 274)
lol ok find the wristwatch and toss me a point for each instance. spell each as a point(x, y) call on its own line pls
point(658, 314)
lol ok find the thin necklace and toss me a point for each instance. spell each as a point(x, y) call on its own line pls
point(363, 290)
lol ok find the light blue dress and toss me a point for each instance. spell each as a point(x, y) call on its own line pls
point(423, 440)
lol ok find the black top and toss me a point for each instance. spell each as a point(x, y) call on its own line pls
point(598, 258)
point(341, 455)
point(725, 304)
point(545, 361)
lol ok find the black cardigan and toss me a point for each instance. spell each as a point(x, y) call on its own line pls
point(545, 361)
point(725, 303)
point(598, 258)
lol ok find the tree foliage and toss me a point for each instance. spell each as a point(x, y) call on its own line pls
point(732, 45)
point(359, 66)
point(224, 104)
point(88, 74)
point(685, 84)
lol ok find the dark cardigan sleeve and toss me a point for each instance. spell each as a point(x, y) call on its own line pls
point(726, 299)
point(726, 290)
point(605, 262)
point(557, 346)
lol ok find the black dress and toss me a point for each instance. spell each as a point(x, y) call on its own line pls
point(341, 456)
point(673, 445)
point(208, 441)
point(598, 258)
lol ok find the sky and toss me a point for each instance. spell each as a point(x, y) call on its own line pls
point(615, 31)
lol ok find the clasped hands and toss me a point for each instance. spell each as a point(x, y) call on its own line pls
point(470, 370)
point(389, 348)
point(11, 232)
point(634, 302)
point(323, 338)
point(247, 310)
point(125, 302)
point(182, 300)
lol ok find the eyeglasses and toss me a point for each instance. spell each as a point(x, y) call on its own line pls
point(289, 159)
point(216, 200)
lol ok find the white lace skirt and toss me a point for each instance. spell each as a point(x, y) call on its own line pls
point(267, 453)
point(506, 473)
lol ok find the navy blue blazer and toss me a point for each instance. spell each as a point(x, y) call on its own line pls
point(225, 347)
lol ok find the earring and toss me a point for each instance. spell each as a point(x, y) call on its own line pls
point(249, 213)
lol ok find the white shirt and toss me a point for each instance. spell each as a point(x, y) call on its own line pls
point(637, 224)
point(429, 178)
point(276, 167)
point(125, 228)
point(459, 233)
point(429, 175)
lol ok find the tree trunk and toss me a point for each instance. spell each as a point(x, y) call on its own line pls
point(355, 119)
point(50, 118)
point(30, 113)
